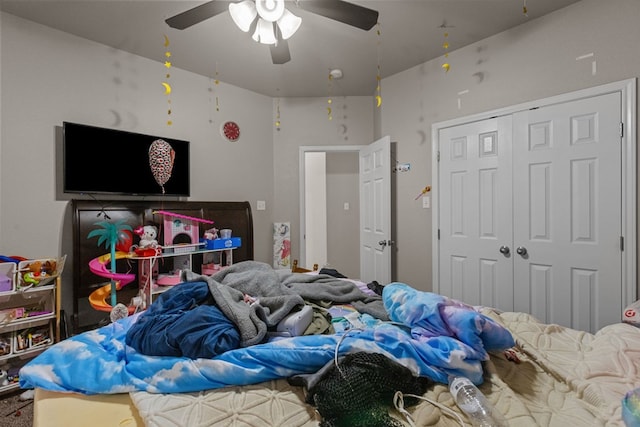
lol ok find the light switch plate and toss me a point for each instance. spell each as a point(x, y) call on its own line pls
point(426, 202)
point(261, 205)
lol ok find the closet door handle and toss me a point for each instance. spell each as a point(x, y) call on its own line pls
point(522, 251)
point(504, 250)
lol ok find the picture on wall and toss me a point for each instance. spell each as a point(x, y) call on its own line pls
point(281, 245)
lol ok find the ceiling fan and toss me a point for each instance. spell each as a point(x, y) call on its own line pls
point(338, 10)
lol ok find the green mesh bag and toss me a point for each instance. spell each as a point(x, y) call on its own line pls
point(360, 393)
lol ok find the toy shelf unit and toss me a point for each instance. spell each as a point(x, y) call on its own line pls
point(158, 273)
point(29, 314)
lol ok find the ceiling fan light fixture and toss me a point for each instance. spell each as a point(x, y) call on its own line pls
point(264, 32)
point(270, 10)
point(243, 14)
point(288, 24)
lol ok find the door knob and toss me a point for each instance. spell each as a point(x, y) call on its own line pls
point(521, 250)
point(382, 243)
point(505, 250)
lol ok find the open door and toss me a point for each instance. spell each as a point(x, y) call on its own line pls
point(374, 176)
point(375, 211)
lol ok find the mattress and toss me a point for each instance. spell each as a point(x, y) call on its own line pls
point(52, 409)
point(554, 376)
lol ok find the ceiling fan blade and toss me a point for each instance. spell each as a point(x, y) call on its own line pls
point(280, 52)
point(197, 14)
point(342, 11)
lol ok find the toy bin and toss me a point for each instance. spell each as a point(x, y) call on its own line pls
point(33, 338)
point(39, 272)
point(7, 274)
point(233, 242)
point(27, 306)
point(6, 344)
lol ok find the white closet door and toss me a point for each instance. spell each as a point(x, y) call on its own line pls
point(476, 213)
point(568, 212)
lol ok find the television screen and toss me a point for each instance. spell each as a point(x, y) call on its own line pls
point(109, 161)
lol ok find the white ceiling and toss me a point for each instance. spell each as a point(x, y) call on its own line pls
point(409, 33)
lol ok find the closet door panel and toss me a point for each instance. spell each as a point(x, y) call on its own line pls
point(475, 213)
point(567, 206)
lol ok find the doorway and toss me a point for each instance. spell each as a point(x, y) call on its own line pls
point(356, 234)
point(329, 207)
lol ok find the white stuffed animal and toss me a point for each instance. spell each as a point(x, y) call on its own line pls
point(148, 236)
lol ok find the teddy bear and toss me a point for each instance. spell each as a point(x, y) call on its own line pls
point(148, 236)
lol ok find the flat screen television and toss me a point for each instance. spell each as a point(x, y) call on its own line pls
point(108, 161)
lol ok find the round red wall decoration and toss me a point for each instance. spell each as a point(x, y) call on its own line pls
point(230, 131)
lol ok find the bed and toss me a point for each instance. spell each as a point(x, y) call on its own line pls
point(535, 374)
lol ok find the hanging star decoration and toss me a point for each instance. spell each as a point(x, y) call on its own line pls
point(446, 66)
point(378, 78)
point(165, 84)
point(277, 123)
point(215, 82)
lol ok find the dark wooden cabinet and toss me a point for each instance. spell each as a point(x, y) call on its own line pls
point(86, 216)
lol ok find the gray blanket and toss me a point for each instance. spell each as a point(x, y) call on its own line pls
point(255, 297)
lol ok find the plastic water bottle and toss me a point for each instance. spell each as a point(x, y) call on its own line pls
point(474, 404)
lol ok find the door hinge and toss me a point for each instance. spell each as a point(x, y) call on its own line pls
point(621, 129)
point(438, 234)
point(622, 243)
point(438, 156)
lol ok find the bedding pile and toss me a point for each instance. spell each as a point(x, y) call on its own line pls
point(435, 338)
point(555, 377)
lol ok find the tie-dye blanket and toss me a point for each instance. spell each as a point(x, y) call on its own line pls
point(430, 334)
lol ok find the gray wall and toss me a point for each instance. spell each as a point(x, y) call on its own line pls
point(530, 62)
point(343, 226)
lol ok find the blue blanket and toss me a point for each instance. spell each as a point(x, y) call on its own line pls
point(430, 334)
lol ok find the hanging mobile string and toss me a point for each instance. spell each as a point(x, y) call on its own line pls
point(277, 123)
point(216, 81)
point(378, 77)
point(445, 45)
point(167, 86)
point(329, 100)
point(210, 89)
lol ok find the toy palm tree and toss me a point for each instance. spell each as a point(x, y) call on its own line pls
point(111, 234)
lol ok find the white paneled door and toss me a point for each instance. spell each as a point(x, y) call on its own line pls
point(375, 211)
point(568, 212)
point(476, 213)
point(530, 212)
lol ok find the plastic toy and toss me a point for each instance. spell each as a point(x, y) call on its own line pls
point(425, 190)
point(109, 234)
point(211, 234)
point(12, 258)
point(98, 298)
point(178, 228)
